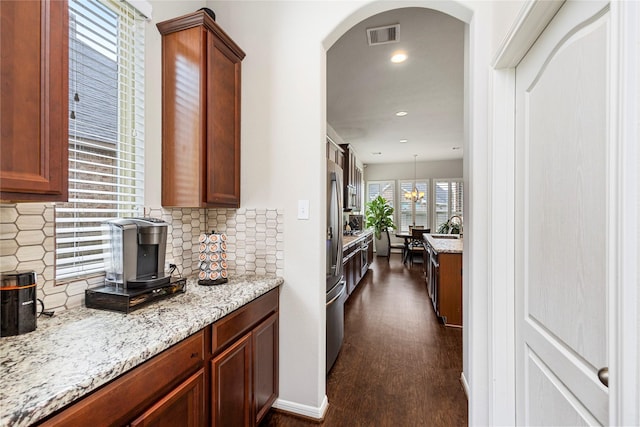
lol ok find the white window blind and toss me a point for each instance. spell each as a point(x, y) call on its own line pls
point(414, 213)
point(381, 188)
point(448, 200)
point(106, 130)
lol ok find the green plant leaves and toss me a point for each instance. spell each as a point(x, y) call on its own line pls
point(379, 216)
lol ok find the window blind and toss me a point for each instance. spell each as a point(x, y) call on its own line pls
point(381, 188)
point(106, 130)
point(414, 213)
point(448, 200)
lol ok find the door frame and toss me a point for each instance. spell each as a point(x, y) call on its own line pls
point(624, 389)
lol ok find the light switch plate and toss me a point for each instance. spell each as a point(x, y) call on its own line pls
point(303, 209)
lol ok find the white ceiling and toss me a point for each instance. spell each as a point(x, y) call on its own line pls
point(365, 89)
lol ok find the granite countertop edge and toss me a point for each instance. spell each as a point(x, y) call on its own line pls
point(78, 350)
point(444, 245)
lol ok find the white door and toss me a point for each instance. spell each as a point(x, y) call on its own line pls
point(563, 241)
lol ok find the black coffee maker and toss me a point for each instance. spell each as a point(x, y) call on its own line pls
point(17, 303)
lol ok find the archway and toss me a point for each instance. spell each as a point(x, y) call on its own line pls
point(464, 14)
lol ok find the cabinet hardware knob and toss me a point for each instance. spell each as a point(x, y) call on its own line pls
point(603, 376)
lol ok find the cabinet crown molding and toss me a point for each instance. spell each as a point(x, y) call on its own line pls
point(195, 19)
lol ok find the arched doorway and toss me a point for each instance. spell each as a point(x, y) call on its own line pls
point(460, 13)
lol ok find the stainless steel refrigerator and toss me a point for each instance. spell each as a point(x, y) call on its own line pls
point(336, 288)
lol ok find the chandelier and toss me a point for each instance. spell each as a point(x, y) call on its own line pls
point(414, 195)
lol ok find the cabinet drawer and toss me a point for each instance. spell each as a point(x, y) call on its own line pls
point(122, 399)
point(183, 406)
point(239, 322)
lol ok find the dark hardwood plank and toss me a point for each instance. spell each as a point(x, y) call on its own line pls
point(398, 366)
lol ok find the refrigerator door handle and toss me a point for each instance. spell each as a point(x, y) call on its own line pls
point(338, 214)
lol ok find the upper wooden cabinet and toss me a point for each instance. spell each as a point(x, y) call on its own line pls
point(335, 153)
point(200, 113)
point(353, 184)
point(34, 103)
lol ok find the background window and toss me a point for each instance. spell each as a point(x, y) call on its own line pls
point(106, 130)
point(448, 200)
point(413, 213)
point(381, 188)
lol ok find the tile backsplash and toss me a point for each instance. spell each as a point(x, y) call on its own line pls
point(255, 244)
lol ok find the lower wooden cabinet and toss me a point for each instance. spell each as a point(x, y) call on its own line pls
point(443, 276)
point(244, 375)
point(356, 260)
point(184, 406)
point(144, 387)
point(265, 366)
point(231, 385)
point(224, 375)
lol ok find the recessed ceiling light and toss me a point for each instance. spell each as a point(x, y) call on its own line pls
point(398, 57)
point(376, 153)
point(402, 141)
point(456, 148)
point(401, 113)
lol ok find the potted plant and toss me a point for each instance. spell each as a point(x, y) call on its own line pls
point(452, 226)
point(379, 216)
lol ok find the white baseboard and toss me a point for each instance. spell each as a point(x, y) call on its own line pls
point(316, 413)
point(465, 384)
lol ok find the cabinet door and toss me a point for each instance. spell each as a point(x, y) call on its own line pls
point(34, 103)
point(231, 385)
point(265, 366)
point(223, 124)
point(183, 133)
point(449, 283)
point(349, 274)
point(184, 406)
point(357, 265)
point(358, 184)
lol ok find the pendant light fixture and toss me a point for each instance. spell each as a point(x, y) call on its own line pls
point(414, 195)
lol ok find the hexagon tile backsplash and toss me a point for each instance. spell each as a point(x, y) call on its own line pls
point(255, 245)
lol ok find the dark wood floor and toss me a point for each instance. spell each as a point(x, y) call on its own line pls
point(398, 366)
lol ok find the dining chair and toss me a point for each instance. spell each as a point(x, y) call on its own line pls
point(416, 246)
point(400, 246)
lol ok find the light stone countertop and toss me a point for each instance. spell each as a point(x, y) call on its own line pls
point(77, 351)
point(444, 245)
point(348, 240)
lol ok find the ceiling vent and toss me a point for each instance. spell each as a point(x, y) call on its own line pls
point(383, 35)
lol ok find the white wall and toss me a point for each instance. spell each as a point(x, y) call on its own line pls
point(430, 170)
point(162, 11)
point(283, 149)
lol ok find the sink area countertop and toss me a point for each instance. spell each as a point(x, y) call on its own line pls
point(445, 243)
point(348, 240)
point(79, 350)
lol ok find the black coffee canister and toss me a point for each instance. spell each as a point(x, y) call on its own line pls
point(17, 303)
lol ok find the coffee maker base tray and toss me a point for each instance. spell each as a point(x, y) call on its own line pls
point(128, 300)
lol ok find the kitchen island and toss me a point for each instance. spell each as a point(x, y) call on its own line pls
point(78, 351)
point(443, 275)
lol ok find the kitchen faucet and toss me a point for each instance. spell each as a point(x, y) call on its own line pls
point(458, 221)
